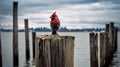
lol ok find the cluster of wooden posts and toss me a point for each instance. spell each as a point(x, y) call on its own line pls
point(15, 38)
point(107, 46)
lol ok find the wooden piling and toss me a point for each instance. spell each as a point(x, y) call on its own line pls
point(54, 51)
point(111, 41)
point(93, 50)
point(0, 48)
point(107, 28)
point(111, 37)
point(27, 39)
point(103, 48)
point(33, 41)
point(115, 38)
point(15, 34)
point(108, 45)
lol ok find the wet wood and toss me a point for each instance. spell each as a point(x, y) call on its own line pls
point(115, 38)
point(111, 38)
point(54, 51)
point(93, 50)
point(108, 44)
point(33, 41)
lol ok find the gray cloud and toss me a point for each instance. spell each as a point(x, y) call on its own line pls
point(82, 11)
point(36, 5)
point(113, 1)
point(78, 1)
point(5, 7)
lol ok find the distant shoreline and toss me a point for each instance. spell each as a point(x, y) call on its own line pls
point(51, 31)
point(63, 29)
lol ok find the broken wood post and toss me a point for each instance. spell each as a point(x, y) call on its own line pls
point(33, 41)
point(115, 38)
point(54, 51)
point(15, 34)
point(0, 48)
point(107, 28)
point(27, 39)
point(111, 39)
point(103, 48)
point(93, 50)
point(108, 46)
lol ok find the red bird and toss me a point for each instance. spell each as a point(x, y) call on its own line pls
point(55, 23)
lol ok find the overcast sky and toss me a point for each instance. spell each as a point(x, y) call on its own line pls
point(72, 13)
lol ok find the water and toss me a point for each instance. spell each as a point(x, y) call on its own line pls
point(81, 54)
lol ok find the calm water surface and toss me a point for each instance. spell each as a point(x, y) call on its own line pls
point(81, 54)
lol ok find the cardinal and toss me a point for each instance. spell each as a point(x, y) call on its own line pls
point(54, 23)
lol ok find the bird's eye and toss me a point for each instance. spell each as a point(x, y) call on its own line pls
point(52, 18)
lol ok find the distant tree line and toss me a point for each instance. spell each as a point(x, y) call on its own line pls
point(62, 29)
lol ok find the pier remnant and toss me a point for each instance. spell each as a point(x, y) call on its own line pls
point(104, 47)
point(110, 29)
point(27, 39)
point(54, 51)
point(33, 41)
point(108, 44)
point(15, 34)
point(0, 48)
point(115, 38)
point(94, 49)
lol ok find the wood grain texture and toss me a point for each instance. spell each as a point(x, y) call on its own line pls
point(103, 48)
point(54, 51)
point(15, 34)
point(93, 50)
point(27, 39)
point(33, 42)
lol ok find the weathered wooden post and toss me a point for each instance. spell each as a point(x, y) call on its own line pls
point(33, 41)
point(0, 49)
point(115, 38)
point(103, 48)
point(107, 28)
point(108, 49)
point(27, 39)
point(54, 51)
point(93, 50)
point(15, 34)
point(111, 39)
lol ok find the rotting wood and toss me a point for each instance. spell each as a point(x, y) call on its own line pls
point(54, 51)
point(93, 50)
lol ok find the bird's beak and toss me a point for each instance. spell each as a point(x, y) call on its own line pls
point(50, 16)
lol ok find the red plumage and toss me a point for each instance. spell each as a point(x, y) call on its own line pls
point(55, 23)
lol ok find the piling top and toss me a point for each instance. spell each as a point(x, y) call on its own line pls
point(53, 37)
point(112, 23)
point(15, 3)
point(26, 20)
